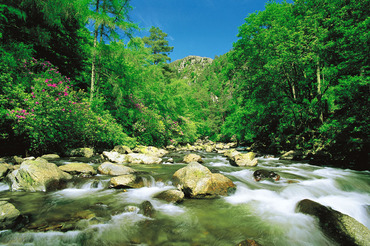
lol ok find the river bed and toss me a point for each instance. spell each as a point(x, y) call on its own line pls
point(88, 213)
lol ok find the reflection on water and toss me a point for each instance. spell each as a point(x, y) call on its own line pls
point(88, 213)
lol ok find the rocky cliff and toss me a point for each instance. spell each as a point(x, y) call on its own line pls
point(190, 67)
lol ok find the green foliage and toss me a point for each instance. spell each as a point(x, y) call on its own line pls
point(51, 116)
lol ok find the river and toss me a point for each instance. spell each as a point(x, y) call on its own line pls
point(88, 213)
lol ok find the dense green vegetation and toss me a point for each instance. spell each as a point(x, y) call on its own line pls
point(297, 78)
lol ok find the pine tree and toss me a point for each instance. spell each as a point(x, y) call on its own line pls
point(159, 45)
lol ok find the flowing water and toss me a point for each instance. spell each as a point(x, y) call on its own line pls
point(88, 213)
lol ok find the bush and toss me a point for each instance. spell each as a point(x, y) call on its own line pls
point(51, 117)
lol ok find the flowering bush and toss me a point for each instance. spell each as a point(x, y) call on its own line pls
point(51, 116)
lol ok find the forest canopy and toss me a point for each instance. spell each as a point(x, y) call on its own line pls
point(73, 74)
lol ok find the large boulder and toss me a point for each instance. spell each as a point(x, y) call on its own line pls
point(82, 152)
point(136, 158)
point(197, 181)
point(150, 150)
point(112, 169)
point(126, 181)
point(37, 175)
point(244, 160)
point(172, 196)
point(114, 156)
point(192, 158)
point(81, 169)
point(8, 215)
point(340, 227)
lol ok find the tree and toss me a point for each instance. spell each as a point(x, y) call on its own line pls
point(109, 17)
point(160, 49)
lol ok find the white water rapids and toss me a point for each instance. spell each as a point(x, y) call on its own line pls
point(263, 211)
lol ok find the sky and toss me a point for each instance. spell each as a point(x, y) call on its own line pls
point(206, 28)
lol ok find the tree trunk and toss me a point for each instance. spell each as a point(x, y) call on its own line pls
point(318, 74)
point(93, 63)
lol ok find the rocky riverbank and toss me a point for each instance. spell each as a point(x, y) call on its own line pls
point(192, 181)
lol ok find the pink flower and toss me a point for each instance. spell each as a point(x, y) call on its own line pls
point(59, 93)
point(63, 110)
point(37, 102)
point(74, 103)
point(25, 99)
point(32, 93)
point(65, 93)
point(43, 90)
point(56, 99)
point(33, 96)
point(60, 82)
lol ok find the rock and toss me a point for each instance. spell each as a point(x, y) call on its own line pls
point(37, 175)
point(172, 196)
point(132, 209)
point(340, 227)
point(209, 148)
point(82, 152)
point(82, 169)
point(220, 146)
point(171, 147)
point(244, 160)
point(197, 181)
point(265, 174)
point(18, 160)
point(114, 156)
point(248, 242)
point(122, 149)
point(192, 158)
point(292, 155)
point(232, 144)
point(148, 209)
point(150, 150)
point(148, 159)
point(4, 170)
point(126, 181)
point(112, 169)
point(8, 215)
point(50, 157)
point(230, 153)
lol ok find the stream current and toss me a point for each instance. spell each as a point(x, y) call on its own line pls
point(88, 213)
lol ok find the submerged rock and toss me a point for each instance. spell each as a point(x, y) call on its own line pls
point(172, 196)
point(82, 169)
point(193, 158)
point(147, 209)
point(8, 215)
point(248, 242)
point(112, 169)
point(197, 181)
point(37, 175)
point(340, 227)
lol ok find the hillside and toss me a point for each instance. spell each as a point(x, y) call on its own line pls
point(190, 67)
